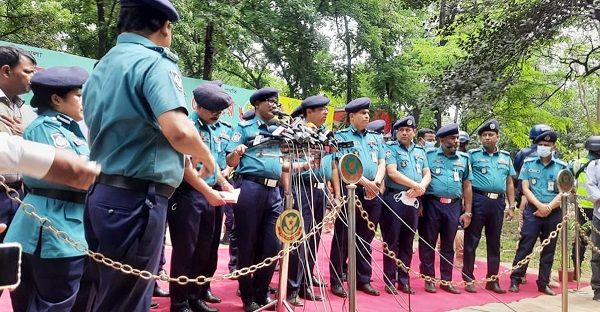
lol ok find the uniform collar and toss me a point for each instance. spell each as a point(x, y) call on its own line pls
point(410, 148)
point(439, 150)
point(485, 151)
point(259, 122)
point(354, 130)
point(66, 121)
point(128, 37)
point(539, 160)
point(16, 101)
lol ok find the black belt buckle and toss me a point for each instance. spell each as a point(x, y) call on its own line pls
point(489, 195)
point(263, 181)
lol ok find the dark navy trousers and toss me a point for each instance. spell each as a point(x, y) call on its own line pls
point(191, 222)
point(398, 225)
point(339, 243)
point(256, 213)
point(532, 229)
point(8, 208)
point(438, 219)
point(489, 214)
point(126, 226)
point(311, 204)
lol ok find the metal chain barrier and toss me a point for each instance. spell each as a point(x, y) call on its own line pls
point(46, 224)
point(587, 221)
point(365, 215)
point(588, 240)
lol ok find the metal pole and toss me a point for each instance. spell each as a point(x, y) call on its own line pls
point(565, 250)
point(351, 247)
point(577, 244)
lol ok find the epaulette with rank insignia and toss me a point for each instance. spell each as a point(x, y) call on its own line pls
point(419, 147)
point(530, 159)
point(165, 52)
point(390, 143)
point(505, 152)
point(245, 123)
point(343, 130)
point(561, 162)
point(225, 123)
point(474, 150)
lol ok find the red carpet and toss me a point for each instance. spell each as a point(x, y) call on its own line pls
point(421, 301)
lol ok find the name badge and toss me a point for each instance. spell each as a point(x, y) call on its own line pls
point(374, 156)
point(550, 186)
point(456, 176)
point(418, 168)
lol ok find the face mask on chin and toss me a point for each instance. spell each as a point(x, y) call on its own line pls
point(544, 151)
point(429, 144)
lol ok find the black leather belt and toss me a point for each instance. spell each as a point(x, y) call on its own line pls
point(260, 180)
point(13, 185)
point(489, 195)
point(135, 184)
point(70, 196)
point(443, 200)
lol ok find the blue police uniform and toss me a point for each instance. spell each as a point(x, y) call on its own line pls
point(368, 148)
point(126, 209)
point(490, 172)
point(442, 205)
point(259, 204)
point(194, 224)
point(542, 184)
point(399, 221)
point(52, 268)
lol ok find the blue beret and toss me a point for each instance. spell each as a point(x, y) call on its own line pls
point(463, 137)
point(212, 97)
point(490, 125)
point(297, 112)
point(376, 125)
point(163, 6)
point(59, 77)
point(263, 94)
point(315, 101)
point(408, 121)
point(449, 129)
point(358, 104)
point(546, 136)
point(249, 114)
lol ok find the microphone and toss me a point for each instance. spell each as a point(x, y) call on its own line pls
point(279, 113)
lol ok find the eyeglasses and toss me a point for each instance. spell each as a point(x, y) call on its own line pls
point(273, 101)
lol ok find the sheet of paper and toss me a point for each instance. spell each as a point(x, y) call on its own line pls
point(230, 197)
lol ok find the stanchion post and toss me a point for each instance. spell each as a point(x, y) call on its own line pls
point(577, 243)
point(565, 182)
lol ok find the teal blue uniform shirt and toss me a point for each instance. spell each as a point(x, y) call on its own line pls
point(367, 147)
point(223, 133)
point(209, 137)
point(542, 179)
point(133, 84)
point(410, 162)
point(490, 170)
point(447, 173)
point(61, 132)
point(260, 161)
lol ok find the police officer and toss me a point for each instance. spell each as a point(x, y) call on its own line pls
point(408, 176)
point(426, 139)
point(138, 132)
point(542, 214)
point(525, 153)
point(592, 186)
point(259, 205)
point(310, 199)
point(16, 69)
point(249, 115)
point(377, 126)
point(51, 267)
point(450, 181)
point(463, 141)
point(492, 185)
point(592, 144)
point(367, 146)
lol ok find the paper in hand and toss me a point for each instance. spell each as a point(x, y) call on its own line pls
point(230, 197)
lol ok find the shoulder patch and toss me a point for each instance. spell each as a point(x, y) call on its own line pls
point(236, 137)
point(59, 140)
point(176, 78)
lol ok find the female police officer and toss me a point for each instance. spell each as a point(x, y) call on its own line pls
point(52, 268)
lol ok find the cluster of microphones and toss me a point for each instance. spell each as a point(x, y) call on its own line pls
point(295, 131)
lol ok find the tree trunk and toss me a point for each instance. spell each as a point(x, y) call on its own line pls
point(209, 51)
point(598, 105)
point(348, 61)
point(102, 29)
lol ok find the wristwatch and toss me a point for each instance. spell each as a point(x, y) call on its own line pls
point(513, 205)
point(468, 214)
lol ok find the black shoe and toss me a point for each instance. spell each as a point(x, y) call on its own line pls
point(430, 287)
point(272, 290)
point(406, 289)
point(546, 290)
point(339, 291)
point(159, 292)
point(210, 297)
point(225, 240)
point(308, 294)
point(265, 302)
point(317, 282)
point(470, 288)
point(450, 288)
point(495, 287)
point(154, 305)
point(294, 300)
point(368, 289)
point(251, 307)
point(596, 295)
point(238, 292)
point(514, 288)
point(201, 306)
point(344, 277)
point(390, 289)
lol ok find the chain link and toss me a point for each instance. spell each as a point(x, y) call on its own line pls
point(588, 221)
point(365, 215)
point(46, 224)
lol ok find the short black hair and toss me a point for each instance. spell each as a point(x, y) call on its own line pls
point(423, 131)
point(139, 18)
point(11, 56)
point(42, 98)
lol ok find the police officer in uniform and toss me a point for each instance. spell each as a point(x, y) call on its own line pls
point(450, 182)
point(525, 153)
point(463, 141)
point(542, 214)
point(51, 267)
point(259, 205)
point(426, 139)
point(139, 132)
point(408, 175)
point(366, 146)
point(310, 199)
point(492, 185)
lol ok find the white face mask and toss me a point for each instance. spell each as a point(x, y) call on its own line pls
point(429, 144)
point(544, 151)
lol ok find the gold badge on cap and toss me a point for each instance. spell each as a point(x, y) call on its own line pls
point(493, 126)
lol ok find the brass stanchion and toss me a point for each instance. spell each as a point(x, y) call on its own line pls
point(565, 182)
